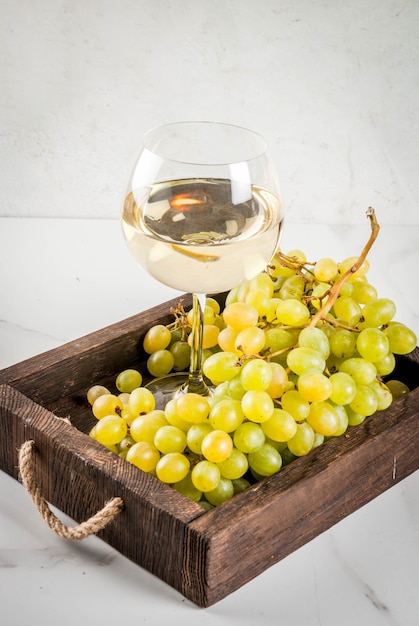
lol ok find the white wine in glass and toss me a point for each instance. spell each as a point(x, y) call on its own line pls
point(202, 213)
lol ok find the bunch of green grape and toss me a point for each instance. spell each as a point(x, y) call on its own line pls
point(288, 372)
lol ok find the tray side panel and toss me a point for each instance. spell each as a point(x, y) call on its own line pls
point(78, 476)
point(277, 516)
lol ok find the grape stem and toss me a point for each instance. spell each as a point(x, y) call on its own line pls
point(337, 286)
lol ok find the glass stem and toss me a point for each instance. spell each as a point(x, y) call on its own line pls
point(196, 383)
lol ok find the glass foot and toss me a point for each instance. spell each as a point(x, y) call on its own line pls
point(169, 387)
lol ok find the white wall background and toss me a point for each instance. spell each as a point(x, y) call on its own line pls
point(333, 84)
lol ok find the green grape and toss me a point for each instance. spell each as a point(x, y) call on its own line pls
point(221, 366)
point(383, 394)
point(110, 430)
point(346, 308)
point(354, 418)
point(196, 434)
point(288, 456)
point(257, 405)
point(363, 372)
point(365, 401)
point(96, 391)
point(316, 339)
point(235, 389)
point(170, 439)
point(292, 287)
point(187, 488)
point(232, 296)
point(401, 339)
point(260, 300)
point(240, 315)
point(173, 418)
point(207, 506)
point(248, 437)
point(323, 418)
point(397, 388)
point(143, 455)
point(192, 407)
point(262, 282)
point(220, 392)
point(156, 338)
point(209, 313)
point(303, 440)
point(205, 476)
point(279, 382)
point(277, 339)
point(349, 263)
point(141, 401)
point(343, 343)
point(209, 316)
point(314, 386)
point(372, 344)
point(325, 269)
point(343, 388)
point(235, 466)
point(176, 335)
point(256, 374)
point(294, 403)
point(126, 443)
point(278, 445)
point(362, 291)
point(160, 363)
point(270, 314)
point(250, 340)
point(346, 289)
point(144, 427)
point(276, 269)
point(124, 397)
point(240, 485)
point(106, 404)
point(301, 359)
point(181, 351)
point(297, 256)
point(292, 312)
point(221, 493)
point(378, 312)
point(210, 334)
point(227, 339)
point(128, 380)
point(281, 426)
point(318, 440)
point(213, 304)
point(386, 365)
point(320, 295)
point(172, 467)
point(216, 446)
point(343, 418)
point(227, 415)
point(265, 461)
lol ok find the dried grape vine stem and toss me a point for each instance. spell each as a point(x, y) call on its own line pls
point(335, 289)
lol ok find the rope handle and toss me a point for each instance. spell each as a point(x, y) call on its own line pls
point(91, 526)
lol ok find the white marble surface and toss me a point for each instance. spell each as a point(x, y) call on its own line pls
point(60, 279)
point(332, 84)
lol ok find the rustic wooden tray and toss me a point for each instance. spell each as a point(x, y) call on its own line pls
point(204, 555)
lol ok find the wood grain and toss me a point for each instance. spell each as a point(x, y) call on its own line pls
point(204, 555)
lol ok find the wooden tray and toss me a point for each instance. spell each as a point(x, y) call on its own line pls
point(204, 555)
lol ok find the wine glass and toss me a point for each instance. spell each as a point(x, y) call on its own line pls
point(202, 213)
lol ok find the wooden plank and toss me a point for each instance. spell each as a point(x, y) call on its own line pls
point(78, 475)
point(275, 517)
point(205, 556)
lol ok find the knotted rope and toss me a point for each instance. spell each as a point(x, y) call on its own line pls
point(91, 526)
